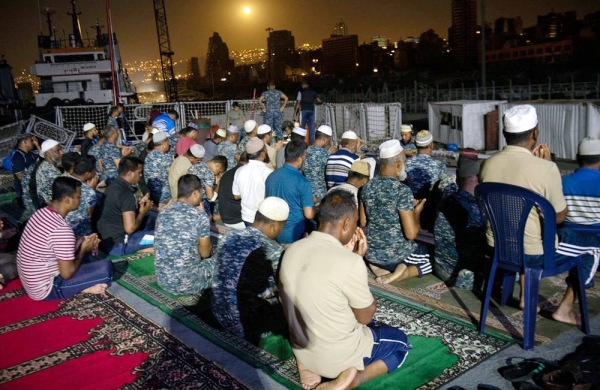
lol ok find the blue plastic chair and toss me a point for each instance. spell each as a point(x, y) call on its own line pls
point(507, 208)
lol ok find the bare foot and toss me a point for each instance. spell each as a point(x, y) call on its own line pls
point(1, 282)
point(97, 289)
point(378, 271)
point(522, 306)
point(393, 276)
point(308, 378)
point(342, 382)
point(566, 317)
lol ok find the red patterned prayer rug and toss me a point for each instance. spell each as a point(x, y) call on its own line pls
point(94, 342)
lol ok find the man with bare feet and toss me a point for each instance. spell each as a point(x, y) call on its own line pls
point(325, 295)
point(524, 164)
point(51, 264)
point(391, 216)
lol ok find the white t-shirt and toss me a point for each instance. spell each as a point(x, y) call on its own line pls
point(249, 184)
point(47, 237)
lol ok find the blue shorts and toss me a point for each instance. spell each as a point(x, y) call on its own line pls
point(389, 345)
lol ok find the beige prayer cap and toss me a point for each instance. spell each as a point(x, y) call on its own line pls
point(254, 145)
point(589, 146)
point(274, 208)
point(519, 119)
point(405, 129)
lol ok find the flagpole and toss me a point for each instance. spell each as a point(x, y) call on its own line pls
point(111, 47)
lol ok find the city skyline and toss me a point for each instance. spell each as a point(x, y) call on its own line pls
point(191, 23)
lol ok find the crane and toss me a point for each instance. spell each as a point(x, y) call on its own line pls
point(166, 54)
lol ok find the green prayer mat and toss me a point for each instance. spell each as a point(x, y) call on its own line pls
point(443, 347)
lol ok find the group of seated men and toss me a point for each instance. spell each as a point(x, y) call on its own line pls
point(294, 260)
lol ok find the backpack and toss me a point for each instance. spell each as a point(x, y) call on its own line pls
point(7, 162)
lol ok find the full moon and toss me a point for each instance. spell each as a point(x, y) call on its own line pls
point(247, 10)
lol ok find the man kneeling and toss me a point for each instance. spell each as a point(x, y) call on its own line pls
point(326, 298)
point(51, 264)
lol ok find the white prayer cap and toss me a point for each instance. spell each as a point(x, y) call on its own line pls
point(300, 131)
point(325, 130)
point(232, 129)
point(423, 138)
point(349, 135)
point(47, 145)
point(519, 119)
point(406, 129)
point(159, 137)
point(372, 163)
point(222, 133)
point(254, 145)
point(274, 208)
point(155, 130)
point(390, 148)
point(264, 129)
point(197, 150)
point(589, 146)
point(249, 125)
point(88, 126)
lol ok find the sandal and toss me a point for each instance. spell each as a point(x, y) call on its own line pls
point(525, 370)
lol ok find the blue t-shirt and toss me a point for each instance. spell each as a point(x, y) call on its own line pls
point(163, 122)
point(288, 184)
point(582, 193)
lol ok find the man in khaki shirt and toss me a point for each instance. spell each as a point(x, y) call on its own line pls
point(524, 164)
point(182, 164)
point(266, 134)
point(327, 302)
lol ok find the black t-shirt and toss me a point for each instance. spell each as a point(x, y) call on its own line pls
point(308, 97)
point(120, 198)
point(86, 145)
point(229, 208)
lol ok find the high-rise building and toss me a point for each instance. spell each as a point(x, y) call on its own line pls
point(558, 25)
point(340, 55)
point(281, 52)
point(218, 65)
point(463, 33)
point(340, 29)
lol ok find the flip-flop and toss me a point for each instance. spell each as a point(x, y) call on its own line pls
point(523, 371)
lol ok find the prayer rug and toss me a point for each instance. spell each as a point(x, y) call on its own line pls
point(433, 293)
point(94, 342)
point(443, 347)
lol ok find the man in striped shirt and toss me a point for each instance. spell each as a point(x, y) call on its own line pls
point(339, 163)
point(582, 187)
point(51, 264)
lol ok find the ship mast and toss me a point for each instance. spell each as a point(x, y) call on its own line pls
point(76, 25)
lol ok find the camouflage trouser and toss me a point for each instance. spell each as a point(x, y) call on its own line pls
point(275, 120)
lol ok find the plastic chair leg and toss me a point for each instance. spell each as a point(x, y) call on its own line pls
point(532, 290)
point(489, 285)
point(508, 286)
point(578, 283)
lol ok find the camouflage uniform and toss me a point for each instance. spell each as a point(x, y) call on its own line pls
point(273, 117)
point(173, 139)
point(448, 185)
point(44, 177)
point(179, 269)
point(421, 170)
point(314, 170)
point(108, 154)
point(459, 240)
point(80, 220)
point(242, 144)
point(409, 146)
point(383, 197)
point(95, 152)
point(157, 177)
point(242, 282)
point(204, 173)
point(228, 150)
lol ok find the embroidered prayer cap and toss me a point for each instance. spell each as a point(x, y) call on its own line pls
point(519, 119)
point(390, 148)
point(274, 208)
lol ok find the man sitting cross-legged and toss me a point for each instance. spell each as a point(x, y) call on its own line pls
point(325, 295)
point(52, 265)
point(246, 262)
point(391, 216)
point(182, 242)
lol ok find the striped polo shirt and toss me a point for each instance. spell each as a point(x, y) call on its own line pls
point(338, 165)
point(47, 237)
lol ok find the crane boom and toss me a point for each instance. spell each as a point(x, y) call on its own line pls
point(166, 54)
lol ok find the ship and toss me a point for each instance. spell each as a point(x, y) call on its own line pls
point(74, 71)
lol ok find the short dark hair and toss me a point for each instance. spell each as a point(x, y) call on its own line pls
point(336, 205)
point(259, 217)
point(357, 175)
point(220, 160)
point(588, 160)
point(129, 164)
point(235, 104)
point(517, 138)
point(113, 109)
point(188, 129)
point(64, 186)
point(173, 112)
point(68, 160)
point(294, 150)
point(296, 136)
point(120, 105)
point(262, 136)
point(187, 184)
point(287, 125)
point(84, 164)
point(347, 141)
point(243, 158)
point(320, 135)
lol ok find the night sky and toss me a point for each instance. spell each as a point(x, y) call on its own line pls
point(191, 22)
